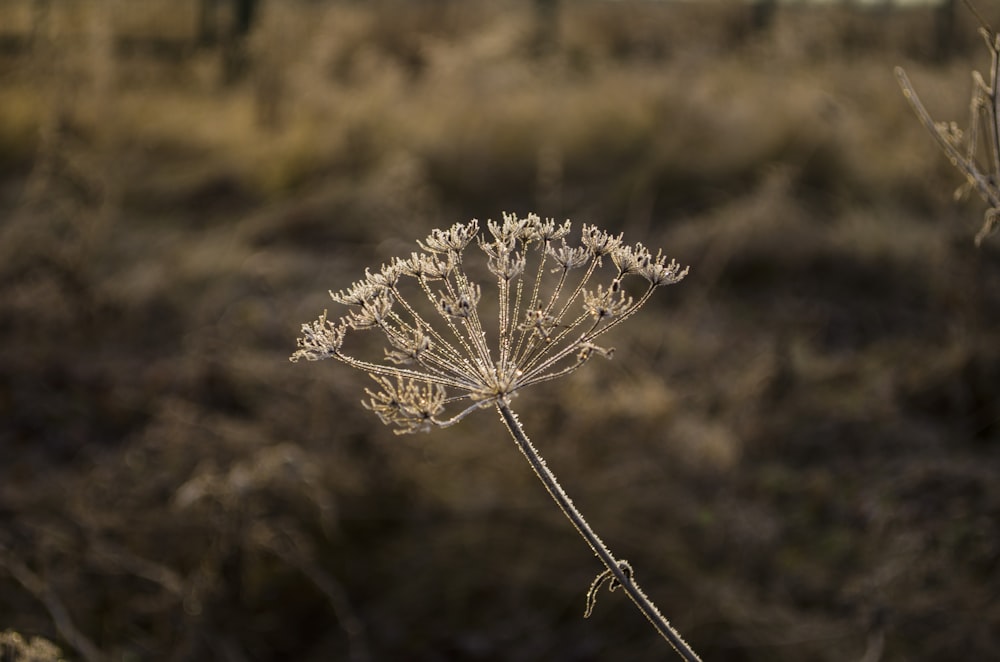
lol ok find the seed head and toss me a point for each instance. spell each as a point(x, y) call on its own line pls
point(603, 304)
point(452, 240)
point(408, 347)
point(421, 265)
point(449, 346)
point(569, 257)
point(320, 340)
point(407, 404)
point(599, 242)
point(372, 312)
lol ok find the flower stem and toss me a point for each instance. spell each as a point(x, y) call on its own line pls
point(617, 567)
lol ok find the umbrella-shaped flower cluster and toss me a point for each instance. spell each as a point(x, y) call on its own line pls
point(445, 351)
point(447, 347)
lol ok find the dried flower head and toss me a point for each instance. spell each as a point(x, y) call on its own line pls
point(448, 347)
point(16, 647)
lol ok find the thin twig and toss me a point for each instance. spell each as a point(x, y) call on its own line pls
point(57, 610)
point(985, 102)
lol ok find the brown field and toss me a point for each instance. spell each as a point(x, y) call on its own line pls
point(797, 447)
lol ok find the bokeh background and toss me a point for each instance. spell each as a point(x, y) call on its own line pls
point(796, 448)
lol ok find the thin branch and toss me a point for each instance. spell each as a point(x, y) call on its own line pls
point(44, 593)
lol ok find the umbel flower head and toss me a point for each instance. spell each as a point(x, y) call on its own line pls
point(450, 350)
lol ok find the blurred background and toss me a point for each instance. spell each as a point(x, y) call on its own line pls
point(796, 448)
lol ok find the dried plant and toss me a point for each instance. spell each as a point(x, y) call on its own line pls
point(15, 648)
point(975, 152)
point(440, 364)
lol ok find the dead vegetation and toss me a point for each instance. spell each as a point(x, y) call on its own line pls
point(804, 435)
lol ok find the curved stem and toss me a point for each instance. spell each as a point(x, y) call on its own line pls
point(617, 567)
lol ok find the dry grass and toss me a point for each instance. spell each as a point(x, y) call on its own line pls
point(797, 447)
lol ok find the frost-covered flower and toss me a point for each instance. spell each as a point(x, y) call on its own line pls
point(449, 346)
point(452, 240)
point(603, 304)
point(569, 257)
point(320, 340)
